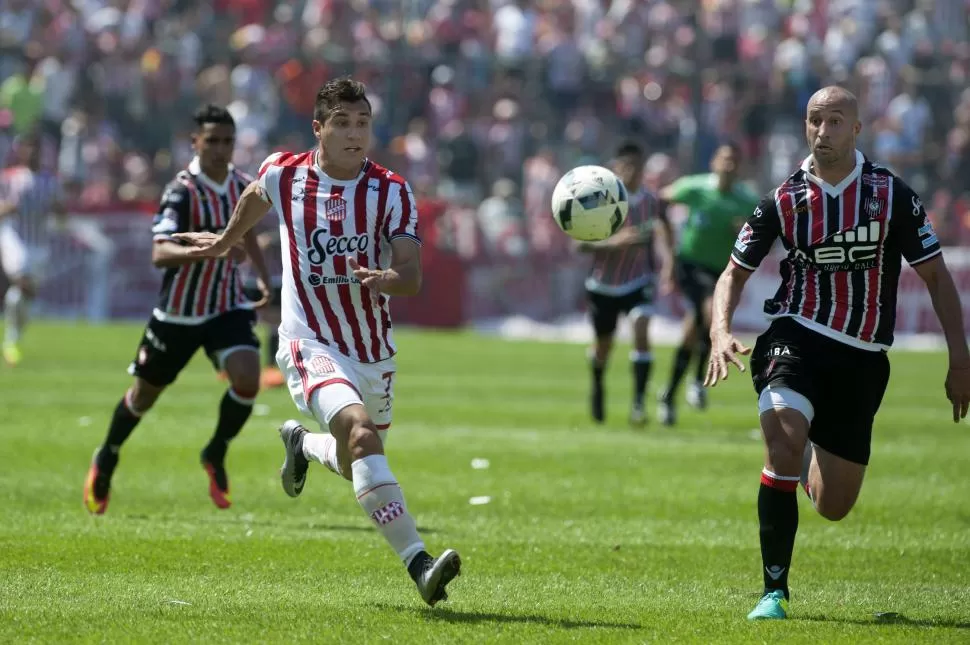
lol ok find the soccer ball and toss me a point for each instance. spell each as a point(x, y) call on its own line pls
point(590, 203)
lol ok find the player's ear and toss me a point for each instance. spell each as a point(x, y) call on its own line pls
point(317, 130)
point(857, 128)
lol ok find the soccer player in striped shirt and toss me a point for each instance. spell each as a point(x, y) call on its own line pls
point(29, 195)
point(622, 280)
point(821, 368)
point(200, 305)
point(349, 235)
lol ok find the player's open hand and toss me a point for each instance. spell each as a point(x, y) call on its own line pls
point(206, 245)
point(958, 391)
point(371, 279)
point(724, 349)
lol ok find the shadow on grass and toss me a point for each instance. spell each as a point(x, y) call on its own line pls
point(228, 519)
point(470, 617)
point(891, 620)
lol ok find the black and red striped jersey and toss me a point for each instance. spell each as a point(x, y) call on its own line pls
point(193, 293)
point(845, 247)
point(616, 272)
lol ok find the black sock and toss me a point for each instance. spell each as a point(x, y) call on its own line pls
point(272, 347)
point(418, 563)
point(123, 422)
point(642, 363)
point(704, 348)
point(778, 517)
point(597, 394)
point(681, 363)
point(232, 416)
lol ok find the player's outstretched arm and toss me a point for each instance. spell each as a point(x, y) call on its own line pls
point(946, 302)
point(724, 346)
point(252, 206)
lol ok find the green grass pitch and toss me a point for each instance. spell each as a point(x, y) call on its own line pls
point(595, 535)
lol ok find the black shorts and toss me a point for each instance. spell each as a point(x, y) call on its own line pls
point(166, 348)
point(696, 282)
point(605, 310)
point(844, 384)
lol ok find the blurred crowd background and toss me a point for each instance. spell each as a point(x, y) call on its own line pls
point(483, 104)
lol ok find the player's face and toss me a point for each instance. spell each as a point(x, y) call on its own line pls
point(831, 130)
point(630, 170)
point(725, 162)
point(346, 133)
point(214, 144)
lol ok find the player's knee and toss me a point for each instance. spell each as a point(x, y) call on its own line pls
point(364, 440)
point(784, 453)
point(831, 509)
point(602, 347)
point(143, 395)
point(246, 384)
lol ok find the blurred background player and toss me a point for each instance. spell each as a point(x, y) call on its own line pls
point(622, 280)
point(718, 206)
point(200, 305)
point(351, 236)
point(29, 195)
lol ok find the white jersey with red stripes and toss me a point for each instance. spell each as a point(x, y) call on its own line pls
point(323, 222)
point(35, 194)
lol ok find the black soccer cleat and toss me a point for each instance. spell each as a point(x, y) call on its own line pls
point(432, 575)
point(295, 465)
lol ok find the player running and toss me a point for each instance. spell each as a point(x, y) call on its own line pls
point(28, 197)
point(622, 280)
point(821, 368)
point(350, 240)
point(200, 305)
point(718, 205)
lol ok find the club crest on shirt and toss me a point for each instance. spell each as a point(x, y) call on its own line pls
point(335, 209)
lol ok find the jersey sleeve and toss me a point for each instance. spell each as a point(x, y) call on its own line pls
point(757, 236)
point(917, 239)
point(684, 190)
point(267, 177)
point(402, 220)
point(174, 212)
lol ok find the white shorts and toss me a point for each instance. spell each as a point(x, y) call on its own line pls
point(16, 258)
point(312, 368)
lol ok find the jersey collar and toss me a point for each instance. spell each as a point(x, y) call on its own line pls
point(195, 168)
point(834, 191)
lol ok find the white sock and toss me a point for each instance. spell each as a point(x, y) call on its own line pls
point(322, 448)
point(15, 312)
point(381, 498)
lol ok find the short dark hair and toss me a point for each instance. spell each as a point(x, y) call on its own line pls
point(630, 149)
point(210, 113)
point(337, 91)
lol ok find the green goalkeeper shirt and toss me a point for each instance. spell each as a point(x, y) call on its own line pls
point(714, 218)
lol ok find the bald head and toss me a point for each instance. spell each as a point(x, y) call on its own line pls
point(835, 98)
point(831, 127)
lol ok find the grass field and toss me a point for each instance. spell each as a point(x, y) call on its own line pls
point(591, 534)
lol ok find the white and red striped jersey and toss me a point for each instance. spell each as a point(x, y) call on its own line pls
point(617, 272)
point(193, 293)
point(35, 194)
point(845, 246)
point(323, 222)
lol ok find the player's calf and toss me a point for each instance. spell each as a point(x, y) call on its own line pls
point(834, 484)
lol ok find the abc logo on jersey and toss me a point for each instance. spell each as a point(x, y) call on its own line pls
point(322, 246)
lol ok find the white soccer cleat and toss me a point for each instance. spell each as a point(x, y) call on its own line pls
point(696, 396)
